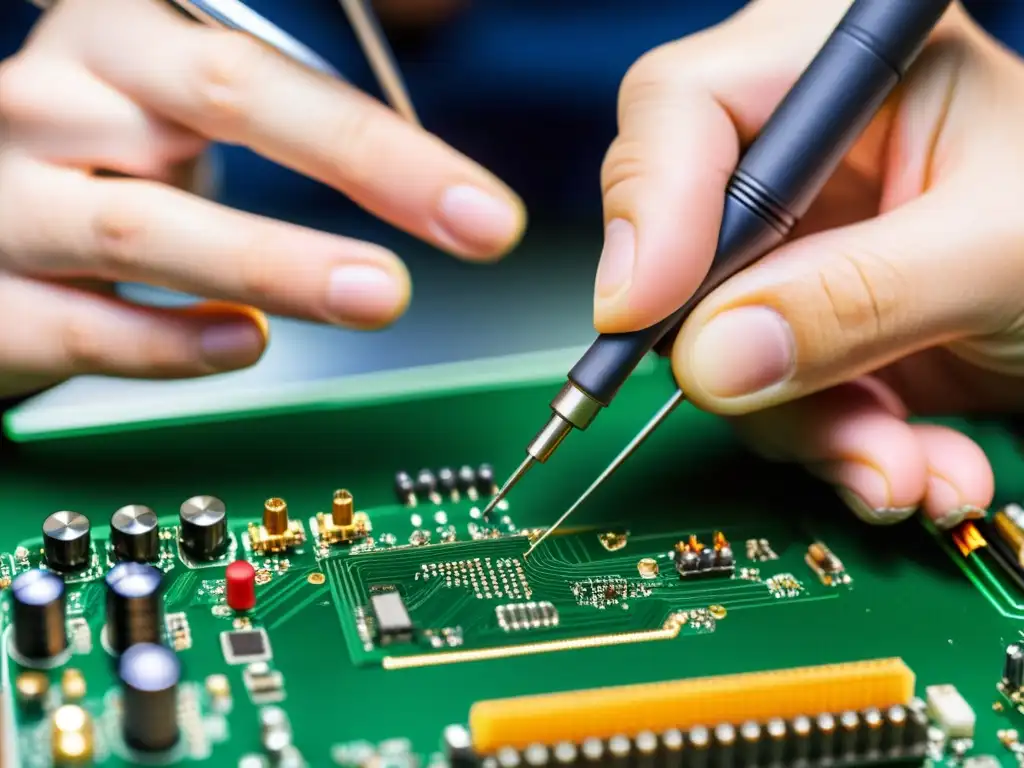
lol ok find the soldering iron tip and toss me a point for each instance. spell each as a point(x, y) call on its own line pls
point(515, 478)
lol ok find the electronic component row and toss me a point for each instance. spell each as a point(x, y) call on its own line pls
point(445, 483)
point(849, 738)
point(694, 558)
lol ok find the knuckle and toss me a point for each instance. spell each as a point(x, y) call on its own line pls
point(356, 132)
point(623, 166)
point(863, 292)
point(228, 68)
point(119, 231)
point(82, 347)
point(20, 90)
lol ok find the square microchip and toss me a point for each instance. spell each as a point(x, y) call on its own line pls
point(393, 622)
point(245, 646)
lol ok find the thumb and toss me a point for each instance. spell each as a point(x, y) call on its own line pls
point(835, 305)
point(684, 111)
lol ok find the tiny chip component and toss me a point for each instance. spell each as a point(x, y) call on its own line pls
point(822, 561)
point(391, 618)
point(694, 558)
point(265, 685)
point(245, 646)
point(950, 711)
point(516, 616)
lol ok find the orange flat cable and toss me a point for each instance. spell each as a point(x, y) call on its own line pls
point(709, 701)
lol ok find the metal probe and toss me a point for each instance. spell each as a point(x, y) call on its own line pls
point(617, 462)
point(777, 180)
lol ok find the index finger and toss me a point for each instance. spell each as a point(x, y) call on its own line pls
point(233, 89)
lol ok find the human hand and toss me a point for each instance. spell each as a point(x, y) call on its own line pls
point(899, 294)
point(134, 88)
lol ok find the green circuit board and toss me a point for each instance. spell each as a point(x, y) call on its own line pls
point(613, 599)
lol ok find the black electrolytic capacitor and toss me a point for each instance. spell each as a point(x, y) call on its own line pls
point(405, 487)
point(38, 607)
point(134, 534)
point(485, 484)
point(149, 676)
point(446, 481)
point(1013, 667)
point(66, 541)
point(133, 605)
point(203, 527)
point(466, 478)
point(426, 483)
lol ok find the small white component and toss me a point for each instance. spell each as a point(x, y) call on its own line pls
point(951, 711)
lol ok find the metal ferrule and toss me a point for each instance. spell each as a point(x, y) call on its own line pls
point(575, 406)
point(549, 438)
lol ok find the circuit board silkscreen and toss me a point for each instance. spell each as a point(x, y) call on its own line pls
point(276, 620)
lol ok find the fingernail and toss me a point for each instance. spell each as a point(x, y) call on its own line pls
point(954, 517)
point(873, 515)
point(231, 345)
point(364, 294)
point(742, 351)
point(615, 269)
point(472, 220)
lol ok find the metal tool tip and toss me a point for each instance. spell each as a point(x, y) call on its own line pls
point(513, 479)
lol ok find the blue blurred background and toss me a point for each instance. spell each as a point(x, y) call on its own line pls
point(526, 87)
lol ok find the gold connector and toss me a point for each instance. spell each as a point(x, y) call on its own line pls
point(342, 508)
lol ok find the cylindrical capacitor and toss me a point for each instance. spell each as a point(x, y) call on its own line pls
point(275, 516)
point(466, 480)
point(775, 735)
point(485, 484)
point(66, 541)
point(824, 736)
point(750, 743)
point(38, 605)
point(618, 752)
point(405, 487)
point(672, 742)
point(895, 727)
point(240, 586)
point(698, 746)
point(447, 484)
point(565, 753)
point(802, 731)
point(426, 484)
point(592, 751)
point(917, 724)
point(134, 534)
point(725, 745)
point(849, 733)
point(133, 605)
point(873, 724)
point(458, 746)
point(1013, 668)
point(204, 527)
point(149, 676)
point(645, 746)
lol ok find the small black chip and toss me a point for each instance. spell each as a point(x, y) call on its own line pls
point(245, 646)
point(392, 619)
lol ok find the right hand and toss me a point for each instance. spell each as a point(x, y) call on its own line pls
point(135, 89)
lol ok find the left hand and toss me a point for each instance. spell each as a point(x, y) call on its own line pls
point(902, 292)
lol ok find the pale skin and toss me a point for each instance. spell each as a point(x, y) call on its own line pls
point(900, 294)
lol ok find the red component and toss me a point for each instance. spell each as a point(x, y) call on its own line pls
point(241, 585)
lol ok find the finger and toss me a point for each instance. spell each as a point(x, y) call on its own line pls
point(850, 437)
point(231, 88)
point(960, 480)
point(59, 112)
point(684, 111)
point(835, 305)
point(55, 331)
point(139, 231)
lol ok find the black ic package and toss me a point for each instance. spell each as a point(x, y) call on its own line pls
point(245, 646)
point(392, 619)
